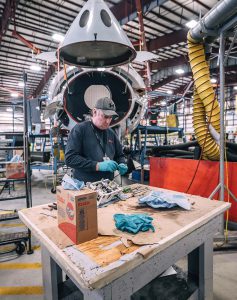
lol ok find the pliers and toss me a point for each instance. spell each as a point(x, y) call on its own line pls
point(53, 206)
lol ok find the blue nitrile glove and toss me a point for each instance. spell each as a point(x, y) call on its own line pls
point(107, 165)
point(133, 223)
point(122, 169)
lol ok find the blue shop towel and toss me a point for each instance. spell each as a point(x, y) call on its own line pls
point(133, 223)
point(164, 199)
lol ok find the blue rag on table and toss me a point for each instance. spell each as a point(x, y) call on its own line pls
point(133, 223)
point(164, 199)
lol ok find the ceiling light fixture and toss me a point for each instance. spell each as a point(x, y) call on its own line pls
point(179, 71)
point(170, 92)
point(9, 109)
point(235, 87)
point(163, 103)
point(71, 68)
point(14, 95)
point(213, 80)
point(21, 84)
point(58, 37)
point(191, 24)
point(35, 67)
point(101, 69)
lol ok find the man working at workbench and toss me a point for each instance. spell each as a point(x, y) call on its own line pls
point(93, 149)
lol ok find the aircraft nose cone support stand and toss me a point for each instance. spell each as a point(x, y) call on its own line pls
point(96, 39)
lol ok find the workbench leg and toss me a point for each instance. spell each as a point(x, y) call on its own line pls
point(52, 275)
point(200, 265)
point(101, 294)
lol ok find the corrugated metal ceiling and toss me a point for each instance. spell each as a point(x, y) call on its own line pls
point(36, 21)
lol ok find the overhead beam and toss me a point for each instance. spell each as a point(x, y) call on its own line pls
point(8, 13)
point(187, 74)
point(203, 4)
point(125, 11)
point(10, 90)
point(44, 80)
point(181, 89)
point(229, 81)
point(167, 40)
point(166, 63)
point(26, 42)
point(169, 79)
point(185, 7)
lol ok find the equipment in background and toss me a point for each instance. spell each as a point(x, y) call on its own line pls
point(58, 139)
point(172, 120)
point(40, 156)
point(106, 189)
point(189, 150)
point(96, 39)
point(75, 97)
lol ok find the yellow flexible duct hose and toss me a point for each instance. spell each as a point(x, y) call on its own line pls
point(205, 111)
point(204, 138)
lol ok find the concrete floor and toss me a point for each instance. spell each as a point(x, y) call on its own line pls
point(21, 276)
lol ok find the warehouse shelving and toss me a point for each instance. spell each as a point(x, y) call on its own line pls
point(146, 137)
point(20, 239)
point(56, 144)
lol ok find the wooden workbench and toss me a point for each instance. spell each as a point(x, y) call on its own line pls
point(111, 268)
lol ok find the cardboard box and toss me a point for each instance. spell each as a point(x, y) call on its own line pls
point(15, 170)
point(77, 214)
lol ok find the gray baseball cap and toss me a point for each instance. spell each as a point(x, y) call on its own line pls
point(107, 106)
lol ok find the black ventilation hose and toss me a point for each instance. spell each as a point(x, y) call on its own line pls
point(231, 146)
point(182, 146)
point(231, 156)
point(175, 152)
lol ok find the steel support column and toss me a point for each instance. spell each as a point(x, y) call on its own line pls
point(222, 117)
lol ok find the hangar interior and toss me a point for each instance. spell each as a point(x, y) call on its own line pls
point(165, 226)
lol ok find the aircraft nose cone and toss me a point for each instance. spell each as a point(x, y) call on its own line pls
point(96, 39)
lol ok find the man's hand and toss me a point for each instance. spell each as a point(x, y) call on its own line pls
point(122, 169)
point(107, 165)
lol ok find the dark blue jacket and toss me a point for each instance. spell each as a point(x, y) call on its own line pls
point(83, 151)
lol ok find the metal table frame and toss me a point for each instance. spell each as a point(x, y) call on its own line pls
point(197, 245)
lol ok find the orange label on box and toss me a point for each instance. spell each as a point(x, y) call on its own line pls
point(61, 199)
point(83, 203)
